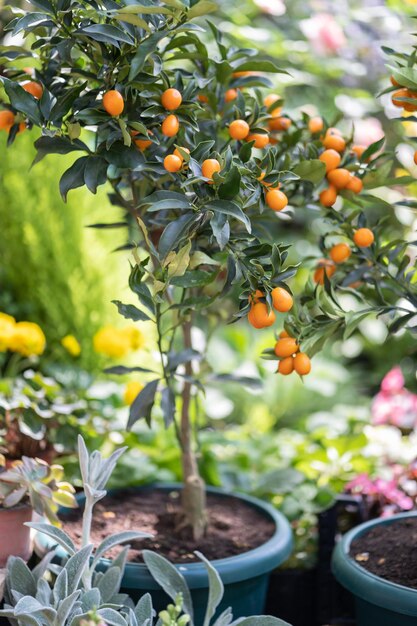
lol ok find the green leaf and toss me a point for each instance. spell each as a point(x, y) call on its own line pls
point(147, 47)
point(216, 590)
point(313, 171)
point(168, 406)
point(95, 172)
point(175, 232)
point(145, 10)
point(106, 33)
point(229, 208)
point(64, 103)
point(121, 370)
point(203, 7)
point(406, 76)
point(170, 579)
point(259, 66)
point(194, 278)
point(22, 101)
point(58, 535)
point(130, 312)
point(143, 403)
point(73, 177)
point(370, 150)
point(57, 145)
point(231, 186)
point(180, 261)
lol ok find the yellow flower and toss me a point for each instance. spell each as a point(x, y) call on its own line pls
point(7, 324)
point(136, 338)
point(111, 342)
point(71, 345)
point(131, 391)
point(27, 339)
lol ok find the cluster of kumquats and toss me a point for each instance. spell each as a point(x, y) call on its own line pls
point(286, 348)
point(403, 99)
point(8, 119)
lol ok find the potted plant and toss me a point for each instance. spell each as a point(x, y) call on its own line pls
point(29, 485)
point(83, 595)
point(202, 166)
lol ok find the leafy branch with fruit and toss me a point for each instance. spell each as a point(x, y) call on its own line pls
point(206, 170)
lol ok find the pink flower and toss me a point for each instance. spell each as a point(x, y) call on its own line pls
point(394, 404)
point(393, 382)
point(368, 131)
point(272, 7)
point(324, 33)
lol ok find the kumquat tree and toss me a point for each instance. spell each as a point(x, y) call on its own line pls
point(206, 166)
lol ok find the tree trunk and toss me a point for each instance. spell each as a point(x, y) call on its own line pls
point(193, 492)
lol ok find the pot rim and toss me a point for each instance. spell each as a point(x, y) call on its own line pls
point(246, 565)
point(366, 585)
point(22, 506)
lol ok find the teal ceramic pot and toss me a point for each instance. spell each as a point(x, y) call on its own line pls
point(378, 601)
point(245, 576)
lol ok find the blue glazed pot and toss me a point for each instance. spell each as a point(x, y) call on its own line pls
point(245, 576)
point(379, 602)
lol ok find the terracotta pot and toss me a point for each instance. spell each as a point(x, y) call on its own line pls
point(14, 536)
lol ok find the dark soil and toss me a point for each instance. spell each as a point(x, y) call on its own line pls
point(234, 527)
point(390, 552)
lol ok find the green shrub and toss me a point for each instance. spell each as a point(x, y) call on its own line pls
point(54, 271)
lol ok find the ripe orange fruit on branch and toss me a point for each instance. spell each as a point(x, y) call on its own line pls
point(328, 196)
point(315, 125)
point(286, 366)
point(270, 99)
point(170, 126)
point(324, 265)
point(142, 144)
point(178, 153)
point(286, 347)
point(363, 237)
point(340, 252)
point(6, 120)
point(279, 123)
point(358, 150)
point(276, 199)
point(35, 89)
point(239, 129)
point(355, 184)
point(401, 93)
point(331, 159)
point(172, 163)
point(281, 299)
point(415, 157)
point(261, 139)
point(283, 334)
point(254, 297)
point(339, 177)
point(302, 364)
point(209, 167)
point(113, 102)
point(202, 98)
point(230, 95)
point(334, 142)
point(260, 317)
point(171, 99)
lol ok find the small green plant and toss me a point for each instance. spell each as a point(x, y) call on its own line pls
point(83, 596)
point(38, 482)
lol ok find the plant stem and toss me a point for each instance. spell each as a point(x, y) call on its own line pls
point(193, 492)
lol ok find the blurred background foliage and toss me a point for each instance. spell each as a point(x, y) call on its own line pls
point(296, 443)
point(55, 271)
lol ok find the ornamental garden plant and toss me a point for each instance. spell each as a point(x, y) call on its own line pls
point(206, 166)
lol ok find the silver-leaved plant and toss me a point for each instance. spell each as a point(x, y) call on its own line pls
point(75, 593)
